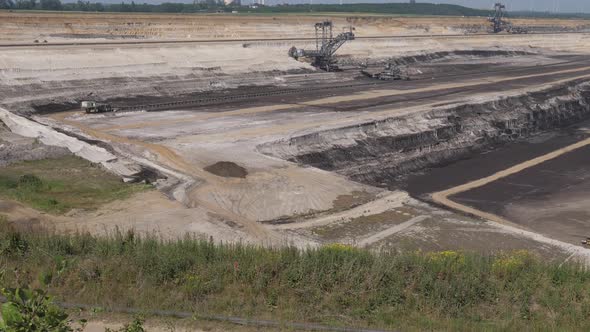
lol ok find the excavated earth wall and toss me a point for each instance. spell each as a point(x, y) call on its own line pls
point(34, 76)
point(27, 27)
point(377, 151)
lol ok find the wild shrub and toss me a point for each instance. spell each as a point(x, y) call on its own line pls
point(13, 243)
point(135, 326)
point(32, 310)
point(30, 182)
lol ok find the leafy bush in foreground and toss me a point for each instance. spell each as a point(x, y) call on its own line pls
point(29, 310)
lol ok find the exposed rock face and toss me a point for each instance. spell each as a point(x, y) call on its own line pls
point(15, 148)
point(376, 151)
point(55, 26)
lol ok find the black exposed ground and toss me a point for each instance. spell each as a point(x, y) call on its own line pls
point(553, 187)
point(483, 164)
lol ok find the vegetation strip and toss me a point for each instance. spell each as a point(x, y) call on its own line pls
point(204, 7)
point(335, 286)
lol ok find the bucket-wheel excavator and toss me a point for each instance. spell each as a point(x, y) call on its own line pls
point(326, 45)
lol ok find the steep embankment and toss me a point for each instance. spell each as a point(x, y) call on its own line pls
point(26, 27)
point(374, 152)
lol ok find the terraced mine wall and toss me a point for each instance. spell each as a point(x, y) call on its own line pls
point(51, 26)
point(433, 57)
point(20, 27)
point(377, 151)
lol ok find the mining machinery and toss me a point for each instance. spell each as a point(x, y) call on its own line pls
point(499, 23)
point(94, 107)
point(326, 45)
point(391, 72)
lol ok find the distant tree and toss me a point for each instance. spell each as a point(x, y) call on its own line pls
point(82, 6)
point(125, 7)
point(145, 8)
point(23, 4)
point(97, 7)
point(50, 4)
point(169, 7)
point(6, 4)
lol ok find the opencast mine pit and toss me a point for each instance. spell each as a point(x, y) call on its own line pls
point(484, 148)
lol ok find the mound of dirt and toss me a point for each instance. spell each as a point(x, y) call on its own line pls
point(227, 169)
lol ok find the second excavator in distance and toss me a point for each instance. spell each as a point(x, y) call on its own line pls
point(499, 22)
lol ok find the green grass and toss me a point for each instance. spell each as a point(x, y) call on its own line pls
point(63, 184)
point(336, 285)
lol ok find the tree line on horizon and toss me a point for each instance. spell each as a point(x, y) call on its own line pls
point(220, 6)
point(87, 6)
